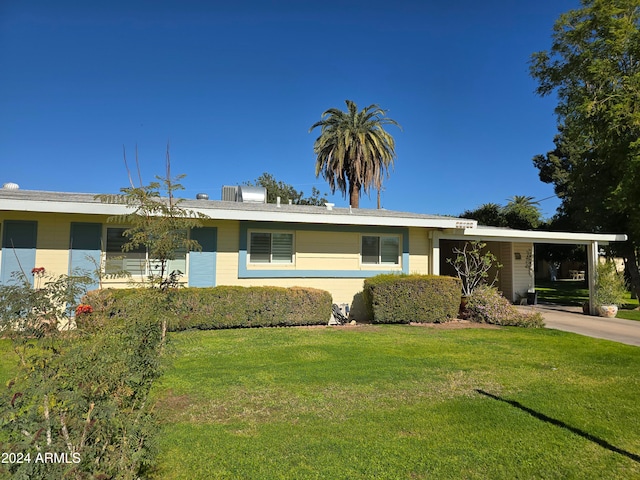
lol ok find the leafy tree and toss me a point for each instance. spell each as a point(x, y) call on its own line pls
point(521, 213)
point(473, 264)
point(489, 214)
point(354, 150)
point(593, 67)
point(277, 188)
point(161, 225)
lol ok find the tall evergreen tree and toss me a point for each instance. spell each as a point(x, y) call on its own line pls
point(593, 67)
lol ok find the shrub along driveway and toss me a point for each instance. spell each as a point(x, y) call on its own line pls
point(571, 319)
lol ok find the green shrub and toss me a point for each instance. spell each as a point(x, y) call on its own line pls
point(611, 288)
point(223, 306)
point(85, 394)
point(412, 298)
point(487, 305)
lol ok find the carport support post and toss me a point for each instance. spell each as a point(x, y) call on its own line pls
point(592, 259)
point(435, 253)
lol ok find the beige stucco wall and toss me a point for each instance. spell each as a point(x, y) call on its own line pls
point(314, 250)
point(52, 245)
point(419, 251)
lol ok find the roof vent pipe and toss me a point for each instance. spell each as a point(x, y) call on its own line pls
point(329, 205)
point(278, 202)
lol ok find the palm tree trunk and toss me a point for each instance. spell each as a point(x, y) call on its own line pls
point(354, 194)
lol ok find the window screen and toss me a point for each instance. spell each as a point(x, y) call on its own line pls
point(271, 247)
point(380, 249)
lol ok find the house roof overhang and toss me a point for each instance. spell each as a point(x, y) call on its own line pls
point(448, 227)
point(532, 236)
point(83, 203)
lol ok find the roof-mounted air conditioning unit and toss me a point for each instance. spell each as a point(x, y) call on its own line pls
point(244, 193)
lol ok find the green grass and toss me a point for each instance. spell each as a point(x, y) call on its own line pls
point(628, 314)
point(396, 402)
point(563, 292)
point(568, 292)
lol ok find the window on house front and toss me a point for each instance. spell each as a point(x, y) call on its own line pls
point(268, 247)
point(380, 250)
point(135, 261)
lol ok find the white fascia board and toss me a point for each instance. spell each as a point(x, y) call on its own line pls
point(538, 236)
point(92, 208)
point(96, 208)
point(328, 219)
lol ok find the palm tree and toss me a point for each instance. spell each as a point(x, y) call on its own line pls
point(522, 212)
point(523, 201)
point(354, 149)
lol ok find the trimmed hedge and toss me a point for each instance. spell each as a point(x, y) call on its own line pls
point(221, 307)
point(412, 298)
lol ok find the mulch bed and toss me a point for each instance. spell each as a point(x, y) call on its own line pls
point(452, 325)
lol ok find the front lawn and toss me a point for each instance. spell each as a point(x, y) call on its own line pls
point(393, 402)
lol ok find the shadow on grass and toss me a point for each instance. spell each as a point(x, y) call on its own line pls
point(561, 424)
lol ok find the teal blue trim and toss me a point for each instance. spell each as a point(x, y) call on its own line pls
point(202, 264)
point(19, 240)
point(244, 273)
point(245, 226)
point(85, 244)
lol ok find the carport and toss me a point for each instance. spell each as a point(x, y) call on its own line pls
point(515, 249)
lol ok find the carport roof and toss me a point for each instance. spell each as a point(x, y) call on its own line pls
point(535, 236)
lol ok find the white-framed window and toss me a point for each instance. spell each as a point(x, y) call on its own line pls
point(136, 261)
point(270, 247)
point(380, 250)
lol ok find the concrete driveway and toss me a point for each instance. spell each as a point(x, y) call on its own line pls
point(571, 319)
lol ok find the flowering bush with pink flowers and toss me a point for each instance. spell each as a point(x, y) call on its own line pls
point(487, 305)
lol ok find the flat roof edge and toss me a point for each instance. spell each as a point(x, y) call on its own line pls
point(544, 236)
point(97, 208)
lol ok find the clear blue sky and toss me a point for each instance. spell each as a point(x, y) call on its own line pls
point(235, 86)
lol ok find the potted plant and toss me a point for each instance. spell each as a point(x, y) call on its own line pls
point(610, 290)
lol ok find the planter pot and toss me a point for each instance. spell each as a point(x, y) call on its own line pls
point(608, 311)
point(462, 311)
point(532, 298)
point(463, 302)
